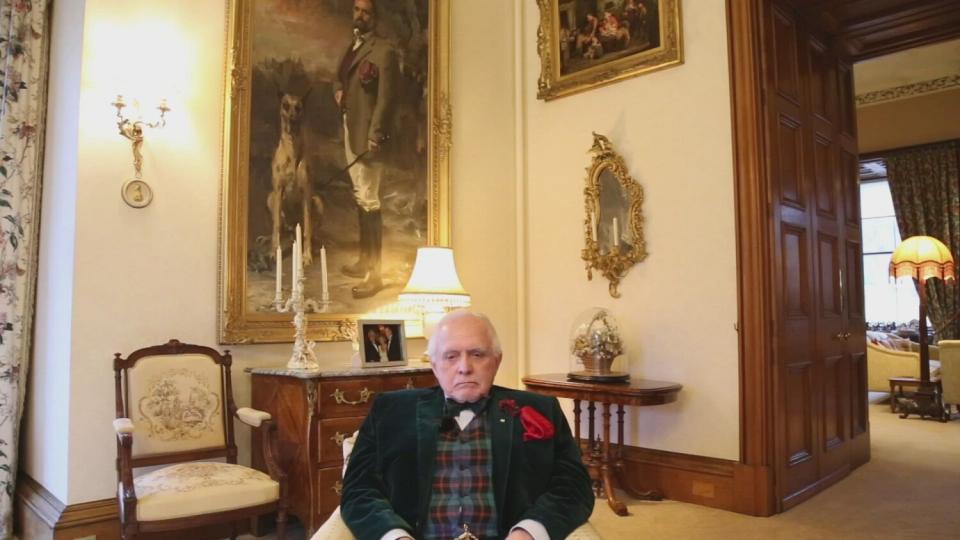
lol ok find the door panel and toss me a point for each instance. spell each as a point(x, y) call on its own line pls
point(820, 370)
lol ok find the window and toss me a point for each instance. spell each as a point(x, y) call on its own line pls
point(886, 300)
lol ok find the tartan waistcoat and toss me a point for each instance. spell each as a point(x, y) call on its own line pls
point(462, 488)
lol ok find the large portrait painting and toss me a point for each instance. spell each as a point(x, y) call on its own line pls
point(337, 121)
point(588, 43)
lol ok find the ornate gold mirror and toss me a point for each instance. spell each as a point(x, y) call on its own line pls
point(614, 220)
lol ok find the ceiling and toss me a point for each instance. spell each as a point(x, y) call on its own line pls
point(871, 28)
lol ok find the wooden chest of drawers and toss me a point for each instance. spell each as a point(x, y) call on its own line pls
point(314, 412)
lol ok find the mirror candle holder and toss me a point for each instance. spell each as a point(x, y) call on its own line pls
point(613, 226)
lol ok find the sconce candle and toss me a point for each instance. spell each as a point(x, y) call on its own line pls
point(616, 233)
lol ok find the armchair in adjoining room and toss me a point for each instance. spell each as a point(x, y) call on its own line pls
point(950, 375)
point(175, 407)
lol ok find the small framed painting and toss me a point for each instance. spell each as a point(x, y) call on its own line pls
point(381, 343)
point(588, 43)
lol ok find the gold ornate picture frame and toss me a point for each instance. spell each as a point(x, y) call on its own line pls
point(283, 64)
point(613, 223)
point(588, 43)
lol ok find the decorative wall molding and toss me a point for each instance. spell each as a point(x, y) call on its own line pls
point(909, 90)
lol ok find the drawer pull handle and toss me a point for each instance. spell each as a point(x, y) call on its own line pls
point(338, 438)
point(338, 488)
point(410, 385)
point(341, 399)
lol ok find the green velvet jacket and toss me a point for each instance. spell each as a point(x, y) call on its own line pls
point(388, 480)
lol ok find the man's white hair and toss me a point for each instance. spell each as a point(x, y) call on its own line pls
point(434, 344)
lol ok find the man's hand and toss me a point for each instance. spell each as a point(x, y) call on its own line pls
point(338, 97)
point(519, 534)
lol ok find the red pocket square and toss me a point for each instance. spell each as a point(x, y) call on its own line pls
point(536, 427)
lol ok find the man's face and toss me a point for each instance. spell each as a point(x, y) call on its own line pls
point(387, 331)
point(363, 15)
point(465, 365)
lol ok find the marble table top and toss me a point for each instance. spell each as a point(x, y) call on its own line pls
point(338, 371)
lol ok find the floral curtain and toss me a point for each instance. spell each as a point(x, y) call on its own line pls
point(925, 185)
point(23, 84)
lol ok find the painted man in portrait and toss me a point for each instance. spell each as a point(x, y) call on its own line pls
point(365, 90)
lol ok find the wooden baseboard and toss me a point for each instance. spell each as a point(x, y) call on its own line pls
point(713, 482)
point(41, 516)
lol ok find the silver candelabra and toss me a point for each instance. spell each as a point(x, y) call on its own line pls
point(303, 356)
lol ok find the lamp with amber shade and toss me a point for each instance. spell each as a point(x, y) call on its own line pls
point(922, 258)
point(434, 287)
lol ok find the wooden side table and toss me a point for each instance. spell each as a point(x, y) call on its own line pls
point(603, 462)
point(909, 395)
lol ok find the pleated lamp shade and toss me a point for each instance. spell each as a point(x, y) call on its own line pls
point(434, 280)
point(922, 258)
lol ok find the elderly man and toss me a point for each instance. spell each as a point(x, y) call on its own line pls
point(466, 456)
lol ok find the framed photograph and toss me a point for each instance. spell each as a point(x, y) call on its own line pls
point(345, 134)
point(381, 343)
point(588, 43)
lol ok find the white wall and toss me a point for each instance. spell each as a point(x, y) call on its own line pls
point(679, 306)
point(140, 277)
point(47, 418)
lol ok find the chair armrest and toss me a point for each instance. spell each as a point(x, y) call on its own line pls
point(252, 417)
point(123, 425)
point(124, 430)
point(269, 447)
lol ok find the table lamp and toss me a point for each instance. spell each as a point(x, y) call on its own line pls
point(434, 287)
point(922, 258)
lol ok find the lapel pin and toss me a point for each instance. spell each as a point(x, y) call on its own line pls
point(503, 420)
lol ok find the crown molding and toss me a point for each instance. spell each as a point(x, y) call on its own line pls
point(908, 90)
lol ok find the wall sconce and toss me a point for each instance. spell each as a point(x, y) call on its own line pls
point(136, 192)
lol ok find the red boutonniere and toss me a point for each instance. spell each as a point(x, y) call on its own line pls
point(368, 72)
point(536, 427)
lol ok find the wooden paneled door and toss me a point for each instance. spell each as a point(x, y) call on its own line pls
point(821, 429)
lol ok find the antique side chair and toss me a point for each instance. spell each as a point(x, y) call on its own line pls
point(175, 408)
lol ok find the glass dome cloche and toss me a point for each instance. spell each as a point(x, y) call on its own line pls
point(595, 343)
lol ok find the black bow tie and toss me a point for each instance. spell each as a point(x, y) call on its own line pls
point(453, 408)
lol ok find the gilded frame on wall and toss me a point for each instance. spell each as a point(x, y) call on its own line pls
point(611, 194)
point(284, 55)
point(588, 43)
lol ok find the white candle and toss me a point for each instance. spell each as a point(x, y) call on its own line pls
point(593, 227)
point(299, 253)
point(323, 273)
point(616, 232)
point(279, 270)
point(293, 267)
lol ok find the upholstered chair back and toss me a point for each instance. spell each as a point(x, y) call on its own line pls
point(178, 398)
point(950, 370)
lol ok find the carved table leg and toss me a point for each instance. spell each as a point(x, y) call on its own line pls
point(621, 468)
point(576, 420)
point(607, 466)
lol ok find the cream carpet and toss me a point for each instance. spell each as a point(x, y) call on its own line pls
point(910, 489)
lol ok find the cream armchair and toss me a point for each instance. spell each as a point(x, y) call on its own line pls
point(335, 529)
point(950, 374)
point(175, 408)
